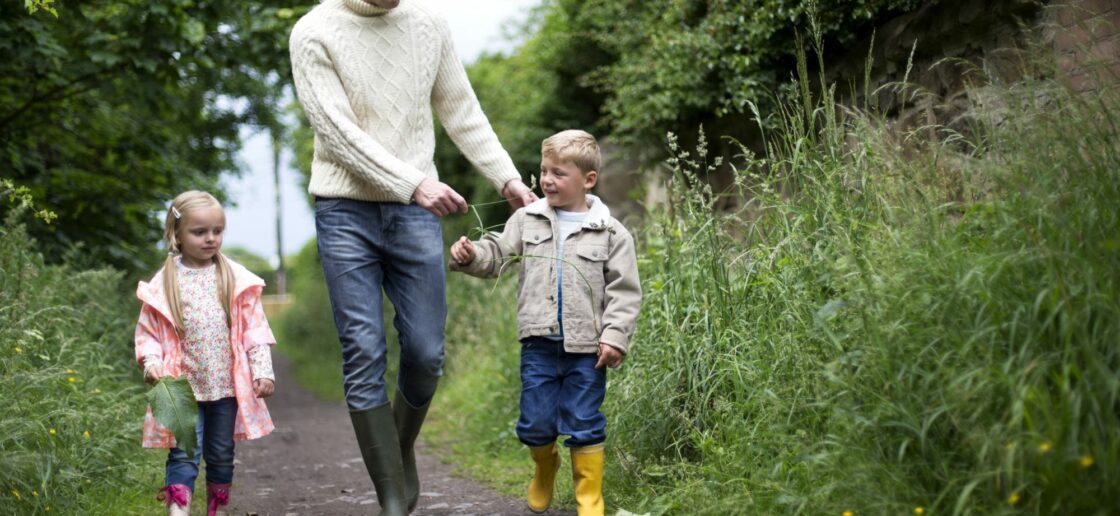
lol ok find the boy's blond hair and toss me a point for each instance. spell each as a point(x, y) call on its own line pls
point(576, 146)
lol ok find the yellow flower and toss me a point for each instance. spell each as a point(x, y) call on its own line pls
point(1014, 498)
point(19, 349)
point(919, 510)
point(1086, 461)
point(15, 493)
point(97, 391)
point(86, 434)
point(34, 493)
point(52, 431)
point(71, 379)
point(1045, 447)
point(847, 513)
point(47, 509)
point(70, 371)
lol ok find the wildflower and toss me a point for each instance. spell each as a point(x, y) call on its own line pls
point(71, 379)
point(85, 434)
point(70, 371)
point(52, 431)
point(1014, 498)
point(1086, 461)
point(97, 391)
point(919, 510)
point(47, 509)
point(19, 349)
point(15, 493)
point(847, 513)
point(1045, 447)
point(34, 493)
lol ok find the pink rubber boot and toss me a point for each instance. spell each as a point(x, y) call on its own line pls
point(178, 499)
point(217, 495)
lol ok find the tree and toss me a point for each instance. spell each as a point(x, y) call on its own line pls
point(110, 109)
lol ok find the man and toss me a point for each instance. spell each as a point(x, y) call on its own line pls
point(369, 73)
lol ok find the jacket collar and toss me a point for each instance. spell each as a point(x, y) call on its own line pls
point(598, 214)
point(151, 292)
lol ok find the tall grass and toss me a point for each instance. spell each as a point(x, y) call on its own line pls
point(73, 399)
point(896, 319)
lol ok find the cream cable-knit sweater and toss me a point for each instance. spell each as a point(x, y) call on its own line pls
point(368, 79)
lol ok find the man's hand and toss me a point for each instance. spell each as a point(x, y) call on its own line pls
point(438, 198)
point(608, 356)
point(263, 387)
point(518, 194)
point(462, 251)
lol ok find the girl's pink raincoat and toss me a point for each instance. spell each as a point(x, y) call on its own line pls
point(155, 335)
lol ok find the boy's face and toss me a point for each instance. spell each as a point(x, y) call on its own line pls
point(565, 185)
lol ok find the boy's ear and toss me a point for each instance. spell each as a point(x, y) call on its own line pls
point(590, 179)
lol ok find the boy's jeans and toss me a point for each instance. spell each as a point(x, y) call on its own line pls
point(215, 444)
point(561, 394)
point(367, 246)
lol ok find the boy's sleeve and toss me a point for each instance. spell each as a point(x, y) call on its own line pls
point(147, 339)
point(494, 250)
point(623, 292)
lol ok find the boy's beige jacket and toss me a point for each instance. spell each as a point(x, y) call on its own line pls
point(602, 294)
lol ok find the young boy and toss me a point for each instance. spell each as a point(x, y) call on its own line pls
point(576, 311)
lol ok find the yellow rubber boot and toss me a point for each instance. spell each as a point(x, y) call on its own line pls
point(547, 460)
point(587, 480)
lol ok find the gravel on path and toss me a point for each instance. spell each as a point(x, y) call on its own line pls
point(311, 465)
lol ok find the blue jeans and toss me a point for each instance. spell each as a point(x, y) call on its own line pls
point(561, 394)
point(369, 246)
point(215, 444)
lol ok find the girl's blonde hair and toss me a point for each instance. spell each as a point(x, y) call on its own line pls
point(181, 207)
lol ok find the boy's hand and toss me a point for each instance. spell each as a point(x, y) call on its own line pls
point(608, 356)
point(263, 387)
point(153, 373)
point(462, 251)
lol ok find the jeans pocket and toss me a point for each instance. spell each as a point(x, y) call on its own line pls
point(325, 204)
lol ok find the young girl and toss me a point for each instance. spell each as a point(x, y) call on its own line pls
point(201, 317)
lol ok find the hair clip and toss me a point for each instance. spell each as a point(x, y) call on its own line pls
point(175, 212)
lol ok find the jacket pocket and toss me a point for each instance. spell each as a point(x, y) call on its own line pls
point(591, 261)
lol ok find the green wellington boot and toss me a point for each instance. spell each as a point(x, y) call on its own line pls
point(409, 420)
point(377, 437)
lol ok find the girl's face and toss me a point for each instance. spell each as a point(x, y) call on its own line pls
point(200, 236)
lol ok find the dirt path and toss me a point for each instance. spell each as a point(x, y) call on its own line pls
point(311, 466)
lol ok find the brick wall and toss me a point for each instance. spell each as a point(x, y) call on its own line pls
point(1086, 35)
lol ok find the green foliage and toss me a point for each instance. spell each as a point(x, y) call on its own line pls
point(110, 109)
point(73, 399)
point(173, 406)
point(925, 319)
point(305, 332)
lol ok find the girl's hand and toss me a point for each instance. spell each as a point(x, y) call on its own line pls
point(608, 356)
point(462, 251)
point(263, 387)
point(153, 373)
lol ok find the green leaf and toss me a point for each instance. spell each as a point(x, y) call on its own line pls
point(174, 406)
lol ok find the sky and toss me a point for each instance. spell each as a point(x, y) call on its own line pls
point(476, 27)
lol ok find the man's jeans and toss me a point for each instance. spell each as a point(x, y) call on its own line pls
point(215, 444)
point(367, 246)
point(561, 394)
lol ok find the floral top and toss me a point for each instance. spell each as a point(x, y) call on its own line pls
point(207, 359)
